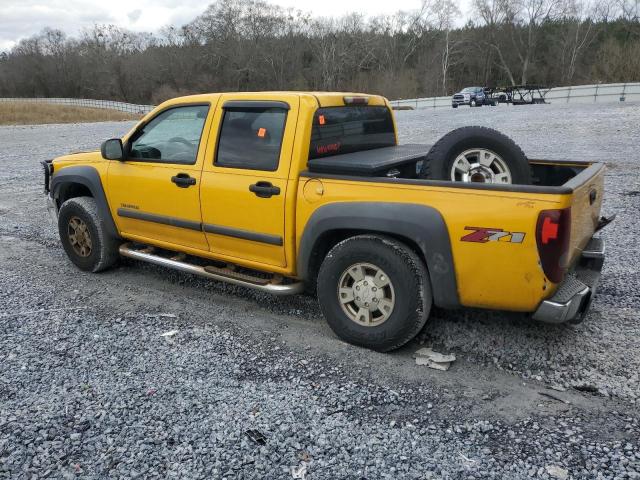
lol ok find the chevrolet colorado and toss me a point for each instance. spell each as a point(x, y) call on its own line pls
point(287, 191)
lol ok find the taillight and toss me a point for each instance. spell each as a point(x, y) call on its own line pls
point(552, 236)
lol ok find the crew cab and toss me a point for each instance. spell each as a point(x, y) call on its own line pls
point(291, 191)
point(472, 96)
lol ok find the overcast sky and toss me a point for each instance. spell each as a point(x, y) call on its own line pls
point(22, 18)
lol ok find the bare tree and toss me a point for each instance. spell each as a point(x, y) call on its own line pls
point(579, 29)
point(256, 45)
point(526, 18)
point(629, 9)
point(445, 13)
point(494, 14)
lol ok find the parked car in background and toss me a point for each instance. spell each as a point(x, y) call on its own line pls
point(472, 96)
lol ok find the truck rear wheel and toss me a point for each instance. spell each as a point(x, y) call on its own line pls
point(374, 292)
point(479, 155)
point(84, 237)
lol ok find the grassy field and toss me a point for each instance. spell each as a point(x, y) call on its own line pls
point(24, 113)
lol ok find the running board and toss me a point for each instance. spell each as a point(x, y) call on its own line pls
point(228, 275)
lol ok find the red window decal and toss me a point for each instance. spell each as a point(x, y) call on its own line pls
point(332, 147)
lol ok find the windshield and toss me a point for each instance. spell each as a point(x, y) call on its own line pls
point(338, 130)
point(470, 89)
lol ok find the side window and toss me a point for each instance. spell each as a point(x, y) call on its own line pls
point(251, 138)
point(171, 137)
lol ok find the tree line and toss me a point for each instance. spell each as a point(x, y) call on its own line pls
point(243, 45)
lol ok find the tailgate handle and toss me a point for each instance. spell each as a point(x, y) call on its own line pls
point(593, 194)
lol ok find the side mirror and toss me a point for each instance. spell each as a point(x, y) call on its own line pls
point(112, 149)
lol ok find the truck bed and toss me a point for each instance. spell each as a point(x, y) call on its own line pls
point(403, 162)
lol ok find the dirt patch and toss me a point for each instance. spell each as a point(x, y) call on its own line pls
point(27, 113)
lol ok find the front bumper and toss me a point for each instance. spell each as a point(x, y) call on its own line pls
point(572, 299)
point(51, 204)
point(52, 209)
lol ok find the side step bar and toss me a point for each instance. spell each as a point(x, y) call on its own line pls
point(215, 273)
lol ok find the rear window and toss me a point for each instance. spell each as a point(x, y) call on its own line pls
point(338, 130)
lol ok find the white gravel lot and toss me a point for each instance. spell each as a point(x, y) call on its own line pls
point(90, 389)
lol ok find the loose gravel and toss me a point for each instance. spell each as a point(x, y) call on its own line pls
point(90, 388)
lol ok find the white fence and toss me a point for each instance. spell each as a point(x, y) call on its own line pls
point(83, 102)
point(611, 92)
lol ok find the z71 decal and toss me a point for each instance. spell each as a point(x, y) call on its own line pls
point(484, 235)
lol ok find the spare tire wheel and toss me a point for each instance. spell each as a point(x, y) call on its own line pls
point(477, 154)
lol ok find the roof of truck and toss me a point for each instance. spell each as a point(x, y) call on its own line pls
point(324, 99)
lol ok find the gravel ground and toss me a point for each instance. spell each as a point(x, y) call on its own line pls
point(89, 388)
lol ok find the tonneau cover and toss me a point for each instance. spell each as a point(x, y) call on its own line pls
point(369, 163)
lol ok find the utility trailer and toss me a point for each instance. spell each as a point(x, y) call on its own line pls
point(519, 94)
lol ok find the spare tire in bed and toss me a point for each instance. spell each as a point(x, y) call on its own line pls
point(477, 154)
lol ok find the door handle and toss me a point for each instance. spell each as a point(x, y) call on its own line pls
point(264, 189)
point(183, 180)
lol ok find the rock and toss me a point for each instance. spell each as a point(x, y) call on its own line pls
point(426, 356)
point(557, 472)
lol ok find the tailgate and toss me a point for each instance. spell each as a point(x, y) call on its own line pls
point(586, 201)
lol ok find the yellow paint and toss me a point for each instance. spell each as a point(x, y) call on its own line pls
point(497, 275)
point(227, 201)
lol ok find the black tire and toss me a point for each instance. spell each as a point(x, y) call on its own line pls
point(473, 103)
point(439, 161)
point(454, 106)
point(408, 276)
point(103, 252)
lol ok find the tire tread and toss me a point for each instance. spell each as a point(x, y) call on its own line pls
point(108, 250)
point(439, 150)
point(422, 299)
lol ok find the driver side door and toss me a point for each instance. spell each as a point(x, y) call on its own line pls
point(155, 192)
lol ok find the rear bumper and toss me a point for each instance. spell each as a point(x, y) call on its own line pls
point(571, 302)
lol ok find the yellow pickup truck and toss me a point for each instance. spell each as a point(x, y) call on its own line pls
point(291, 191)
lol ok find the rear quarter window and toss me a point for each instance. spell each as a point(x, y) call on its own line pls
point(338, 130)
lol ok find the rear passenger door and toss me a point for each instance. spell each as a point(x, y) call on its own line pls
point(244, 180)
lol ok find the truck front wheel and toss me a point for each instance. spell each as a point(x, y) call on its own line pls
point(84, 237)
point(374, 292)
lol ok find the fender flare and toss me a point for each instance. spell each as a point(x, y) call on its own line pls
point(89, 178)
point(423, 225)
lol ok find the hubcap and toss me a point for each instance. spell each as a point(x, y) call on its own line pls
point(481, 166)
point(79, 237)
point(366, 294)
